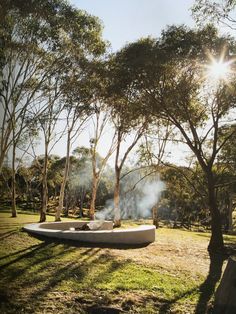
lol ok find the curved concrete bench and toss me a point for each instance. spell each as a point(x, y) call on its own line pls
point(64, 230)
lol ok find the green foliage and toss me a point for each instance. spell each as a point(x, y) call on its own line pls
point(185, 196)
point(228, 153)
point(164, 77)
point(43, 44)
point(209, 11)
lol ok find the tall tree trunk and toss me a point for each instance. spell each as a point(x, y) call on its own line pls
point(2, 157)
point(27, 194)
point(66, 212)
point(216, 244)
point(13, 187)
point(94, 195)
point(117, 218)
point(225, 301)
point(230, 214)
point(65, 178)
point(155, 216)
point(81, 202)
point(43, 209)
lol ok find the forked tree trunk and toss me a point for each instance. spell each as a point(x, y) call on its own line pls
point(94, 195)
point(43, 208)
point(117, 217)
point(225, 300)
point(216, 244)
point(65, 178)
point(13, 187)
point(230, 214)
point(2, 158)
point(155, 216)
point(118, 168)
point(81, 203)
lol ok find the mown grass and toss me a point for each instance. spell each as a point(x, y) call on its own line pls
point(44, 276)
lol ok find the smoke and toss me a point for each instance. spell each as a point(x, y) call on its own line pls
point(80, 176)
point(149, 196)
point(107, 213)
point(137, 198)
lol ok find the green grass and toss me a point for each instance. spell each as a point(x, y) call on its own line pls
point(43, 276)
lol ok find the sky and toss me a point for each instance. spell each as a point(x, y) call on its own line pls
point(128, 20)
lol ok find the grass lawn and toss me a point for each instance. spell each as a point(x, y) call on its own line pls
point(44, 276)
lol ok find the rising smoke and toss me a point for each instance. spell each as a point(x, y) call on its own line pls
point(137, 198)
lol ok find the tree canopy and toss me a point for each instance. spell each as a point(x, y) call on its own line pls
point(168, 80)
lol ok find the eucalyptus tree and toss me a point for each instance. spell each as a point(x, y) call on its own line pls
point(226, 172)
point(79, 94)
point(36, 179)
point(80, 178)
point(5, 183)
point(39, 42)
point(169, 81)
point(48, 122)
point(74, 124)
point(121, 154)
point(212, 11)
point(23, 54)
point(185, 194)
point(86, 90)
point(76, 113)
point(127, 124)
point(19, 142)
point(100, 121)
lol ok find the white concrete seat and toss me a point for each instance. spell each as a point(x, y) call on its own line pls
point(62, 230)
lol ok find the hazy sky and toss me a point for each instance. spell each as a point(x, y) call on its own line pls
point(128, 20)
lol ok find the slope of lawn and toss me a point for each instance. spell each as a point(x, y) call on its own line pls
point(44, 276)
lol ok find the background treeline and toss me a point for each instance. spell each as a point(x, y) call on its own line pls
point(182, 202)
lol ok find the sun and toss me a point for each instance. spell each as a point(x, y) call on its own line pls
point(218, 69)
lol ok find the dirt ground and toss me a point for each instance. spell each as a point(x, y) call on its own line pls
point(183, 253)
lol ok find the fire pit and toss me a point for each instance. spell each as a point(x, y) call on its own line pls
point(93, 232)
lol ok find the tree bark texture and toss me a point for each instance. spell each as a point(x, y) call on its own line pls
point(155, 216)
point(43, 209)
point(94, 195)
point(63, 184)
point(216, 243)
point(225, 297)
point(117, 218)
point(13, 187)
point(230, 214)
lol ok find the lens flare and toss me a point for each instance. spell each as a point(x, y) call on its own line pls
point(219, 69)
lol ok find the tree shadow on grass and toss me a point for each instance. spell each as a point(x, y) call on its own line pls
point(19, 251)
point(9, 225)
point(73, 273)
point(167, 304)
point(32, 278)
point(29, 254)
point(207, 288)
point(8, 234)
point(80, 244)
